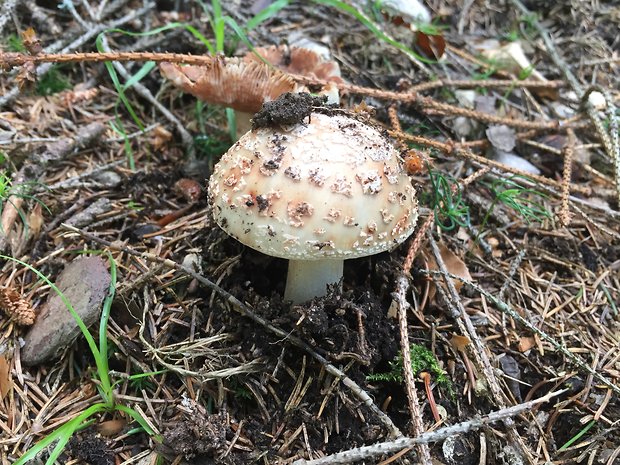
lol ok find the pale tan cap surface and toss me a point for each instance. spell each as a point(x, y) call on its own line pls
point(333, 188)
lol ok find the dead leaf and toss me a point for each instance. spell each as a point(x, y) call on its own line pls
point(526, 343)
point(454, 265)
point(6, 382)
point(31, 41)
point(433, 46)
point(459, 342)
point(35, 220)
point(111, 427)
point(26, 76)
point(406, 12)
point(160, 136)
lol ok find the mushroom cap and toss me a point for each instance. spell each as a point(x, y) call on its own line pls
point(232, 82)
point(332, 187)
point(297, 60)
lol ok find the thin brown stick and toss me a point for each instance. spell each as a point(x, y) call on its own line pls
point(19, 59)
point(417, 426)
point(456, 149)
point(569, 150)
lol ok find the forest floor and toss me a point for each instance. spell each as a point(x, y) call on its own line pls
point(506, 297)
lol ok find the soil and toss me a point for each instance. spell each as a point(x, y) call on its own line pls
point(286, 110)
point(91, 449)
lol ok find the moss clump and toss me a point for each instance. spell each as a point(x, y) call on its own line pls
point(422, 359)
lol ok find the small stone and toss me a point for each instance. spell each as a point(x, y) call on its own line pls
point(108, 178)
point(84, 282)
point(502, 137)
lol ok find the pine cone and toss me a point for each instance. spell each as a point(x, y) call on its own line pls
point(16, 308)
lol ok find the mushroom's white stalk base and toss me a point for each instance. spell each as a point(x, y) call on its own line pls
point(243, 121)
point(309, 278)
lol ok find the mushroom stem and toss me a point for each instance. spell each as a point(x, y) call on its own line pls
point(309, 278)
point(243, 122)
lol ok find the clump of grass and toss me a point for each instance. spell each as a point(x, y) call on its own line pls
point(61, 435)
point(15, 43)
point(447, 202)
point(422, 359)
point(523, 200)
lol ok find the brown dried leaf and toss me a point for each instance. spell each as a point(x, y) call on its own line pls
point(454, 265)
point(31, 41)
point(526, 343)
point(26, 76)
point(160, 136)
point(433, 46)
point(459, 342)
point(241, 85)
point(35, 220)
point(16, 308)
point(6, 382)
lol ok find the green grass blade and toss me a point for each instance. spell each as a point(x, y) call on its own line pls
point(218, 25)
point(103, 330)
point(143, 71)
point(232, 123)
point(117, 85)
point(266, 13)
point(117, 127)
point(62, 434)
point(576, 437)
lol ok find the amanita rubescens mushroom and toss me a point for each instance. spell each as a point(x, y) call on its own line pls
point(316, 192)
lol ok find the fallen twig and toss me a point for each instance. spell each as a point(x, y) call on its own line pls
point(375, 450)
point(568, 151)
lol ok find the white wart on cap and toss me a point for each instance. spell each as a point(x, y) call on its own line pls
point(316, 193)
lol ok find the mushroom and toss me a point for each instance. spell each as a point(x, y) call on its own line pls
point(317, 191)
point(244, 84)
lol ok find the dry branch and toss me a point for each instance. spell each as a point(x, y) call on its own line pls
point(376, 450)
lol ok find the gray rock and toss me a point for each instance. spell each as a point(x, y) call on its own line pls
point(108, 178)
point(84, 282)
